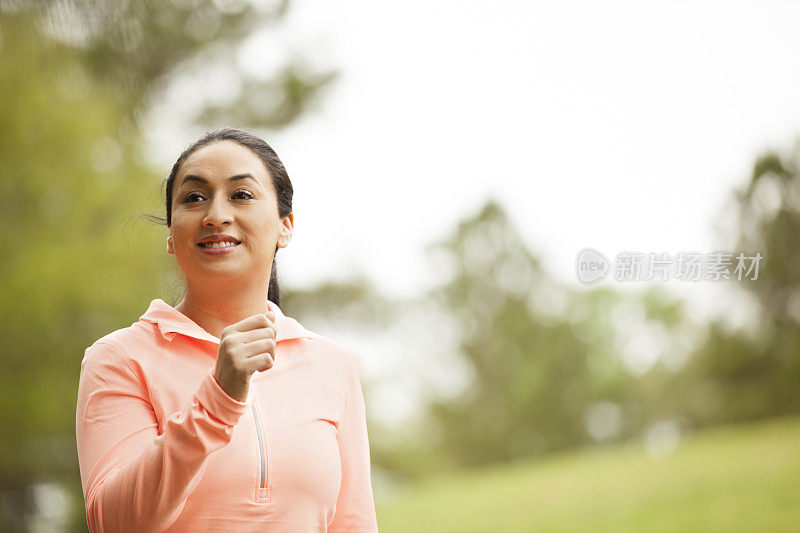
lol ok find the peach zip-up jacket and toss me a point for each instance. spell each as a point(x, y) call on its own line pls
point(162, 447)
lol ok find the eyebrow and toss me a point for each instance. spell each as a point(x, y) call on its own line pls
point(192, 177)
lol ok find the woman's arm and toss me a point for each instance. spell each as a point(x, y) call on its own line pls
point(133, 478)
point(355, 507)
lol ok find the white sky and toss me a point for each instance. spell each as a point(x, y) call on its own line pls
point(615, 125)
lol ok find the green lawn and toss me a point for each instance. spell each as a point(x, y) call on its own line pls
point(744, 478)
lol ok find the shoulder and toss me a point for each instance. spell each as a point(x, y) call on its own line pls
point(332, 358)
point(120, 345)
point(331, 350)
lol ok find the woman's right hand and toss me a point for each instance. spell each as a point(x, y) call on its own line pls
point(245, 347)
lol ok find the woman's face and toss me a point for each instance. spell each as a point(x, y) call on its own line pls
point(224, 188)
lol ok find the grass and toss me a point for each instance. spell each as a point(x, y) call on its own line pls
point(734, 479)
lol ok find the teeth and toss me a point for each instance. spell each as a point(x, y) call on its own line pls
point(218, 244)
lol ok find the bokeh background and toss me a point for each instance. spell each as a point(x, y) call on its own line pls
point(449, 161)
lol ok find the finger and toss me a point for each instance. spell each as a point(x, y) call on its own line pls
point(245, 337)
point(249, 323)
point(259, 362)
point(258, 347)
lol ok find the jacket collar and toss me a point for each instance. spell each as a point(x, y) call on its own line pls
point(170, 322)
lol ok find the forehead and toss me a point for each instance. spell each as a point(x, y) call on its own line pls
point(221, 160)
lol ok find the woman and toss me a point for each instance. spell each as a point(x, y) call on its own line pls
point(222, 413)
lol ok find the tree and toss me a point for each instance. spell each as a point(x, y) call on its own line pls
point(535, 371)
point(739, 375)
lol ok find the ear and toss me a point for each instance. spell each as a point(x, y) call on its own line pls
point(170, 248)
point(286, 231)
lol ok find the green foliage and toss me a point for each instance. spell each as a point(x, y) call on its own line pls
point(355, 302)
point(738, 375)
point(536, 372)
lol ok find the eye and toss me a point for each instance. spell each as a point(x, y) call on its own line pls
point(189, 198)
point(247, 195)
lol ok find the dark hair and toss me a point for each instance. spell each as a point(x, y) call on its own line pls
point(277, 172)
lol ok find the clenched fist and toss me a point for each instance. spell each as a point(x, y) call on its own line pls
point(245, 347)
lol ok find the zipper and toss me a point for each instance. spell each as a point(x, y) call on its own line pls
point(261, 491)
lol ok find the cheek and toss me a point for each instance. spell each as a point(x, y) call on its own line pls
point(264, 232)
point(177, 232)
point(181, 236)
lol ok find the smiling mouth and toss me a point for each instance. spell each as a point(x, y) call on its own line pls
point(226, 244)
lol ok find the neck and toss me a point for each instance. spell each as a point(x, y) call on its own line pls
point(213, 307)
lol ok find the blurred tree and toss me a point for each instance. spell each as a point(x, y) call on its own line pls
point(354, 303)
point(739, 375)
point(135, 49)
point(74, 79)
point(535, 370)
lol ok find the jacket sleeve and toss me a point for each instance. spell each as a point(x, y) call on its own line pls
point(135, 479)
point(355, 506)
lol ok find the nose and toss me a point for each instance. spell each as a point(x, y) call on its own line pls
point(218, 213)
